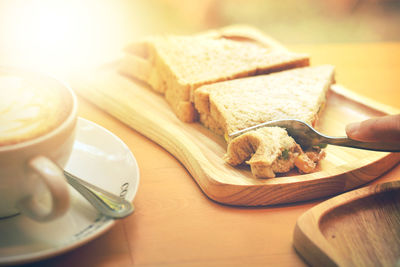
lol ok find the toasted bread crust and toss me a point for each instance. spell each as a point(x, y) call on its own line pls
point(234, 105)
point(177, 65)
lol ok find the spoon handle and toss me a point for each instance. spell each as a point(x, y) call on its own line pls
point(105, 202)
point(376, 146)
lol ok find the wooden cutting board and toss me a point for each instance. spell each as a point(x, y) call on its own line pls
point(358, 228)
point(201, 151)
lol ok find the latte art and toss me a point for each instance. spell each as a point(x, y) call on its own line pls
point(29, 109)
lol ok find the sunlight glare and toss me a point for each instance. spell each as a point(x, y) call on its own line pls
point(63, 36)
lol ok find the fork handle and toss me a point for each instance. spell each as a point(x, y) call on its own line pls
point(376, 146)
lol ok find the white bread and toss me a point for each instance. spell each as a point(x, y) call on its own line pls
point(229, 106)
point(177, 65)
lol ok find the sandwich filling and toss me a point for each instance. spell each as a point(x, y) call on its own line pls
point(271, 150)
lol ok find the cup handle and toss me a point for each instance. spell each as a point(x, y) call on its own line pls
point(53, 178)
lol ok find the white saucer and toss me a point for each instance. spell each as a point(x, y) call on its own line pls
point(98, 157)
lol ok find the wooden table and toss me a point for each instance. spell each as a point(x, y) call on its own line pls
point(175, 224)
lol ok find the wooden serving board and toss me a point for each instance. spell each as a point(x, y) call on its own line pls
point(358, 228)
point(201, 151)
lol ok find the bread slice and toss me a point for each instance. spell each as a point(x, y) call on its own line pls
point(177, 65)
point(269, 150)
point(229, 106)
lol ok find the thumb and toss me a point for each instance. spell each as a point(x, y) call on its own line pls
point(385, 128)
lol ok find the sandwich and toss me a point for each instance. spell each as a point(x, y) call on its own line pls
point(230, 106)
point(176, 66)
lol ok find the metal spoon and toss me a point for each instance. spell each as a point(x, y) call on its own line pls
point(105, 202)
point(306, 136)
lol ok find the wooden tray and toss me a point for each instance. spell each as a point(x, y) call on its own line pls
point(358, 228)
point(200, 151)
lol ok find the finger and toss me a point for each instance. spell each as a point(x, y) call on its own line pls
point(385, 128)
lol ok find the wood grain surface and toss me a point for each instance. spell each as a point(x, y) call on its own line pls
point(174, 224)
point(201, 152)
point(359, 228)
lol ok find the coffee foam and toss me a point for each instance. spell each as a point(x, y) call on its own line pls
point(29, 109)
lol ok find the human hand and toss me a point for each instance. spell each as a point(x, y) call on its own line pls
point(386, 128)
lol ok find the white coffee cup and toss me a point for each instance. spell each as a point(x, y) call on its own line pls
point(32, 159)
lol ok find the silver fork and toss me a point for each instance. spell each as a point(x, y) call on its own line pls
point(105, 202)
point(306, 136)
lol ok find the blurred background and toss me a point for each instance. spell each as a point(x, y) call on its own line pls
point(60, 36)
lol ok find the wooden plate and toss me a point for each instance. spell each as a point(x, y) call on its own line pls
point(358, 228)
point(201, 152)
